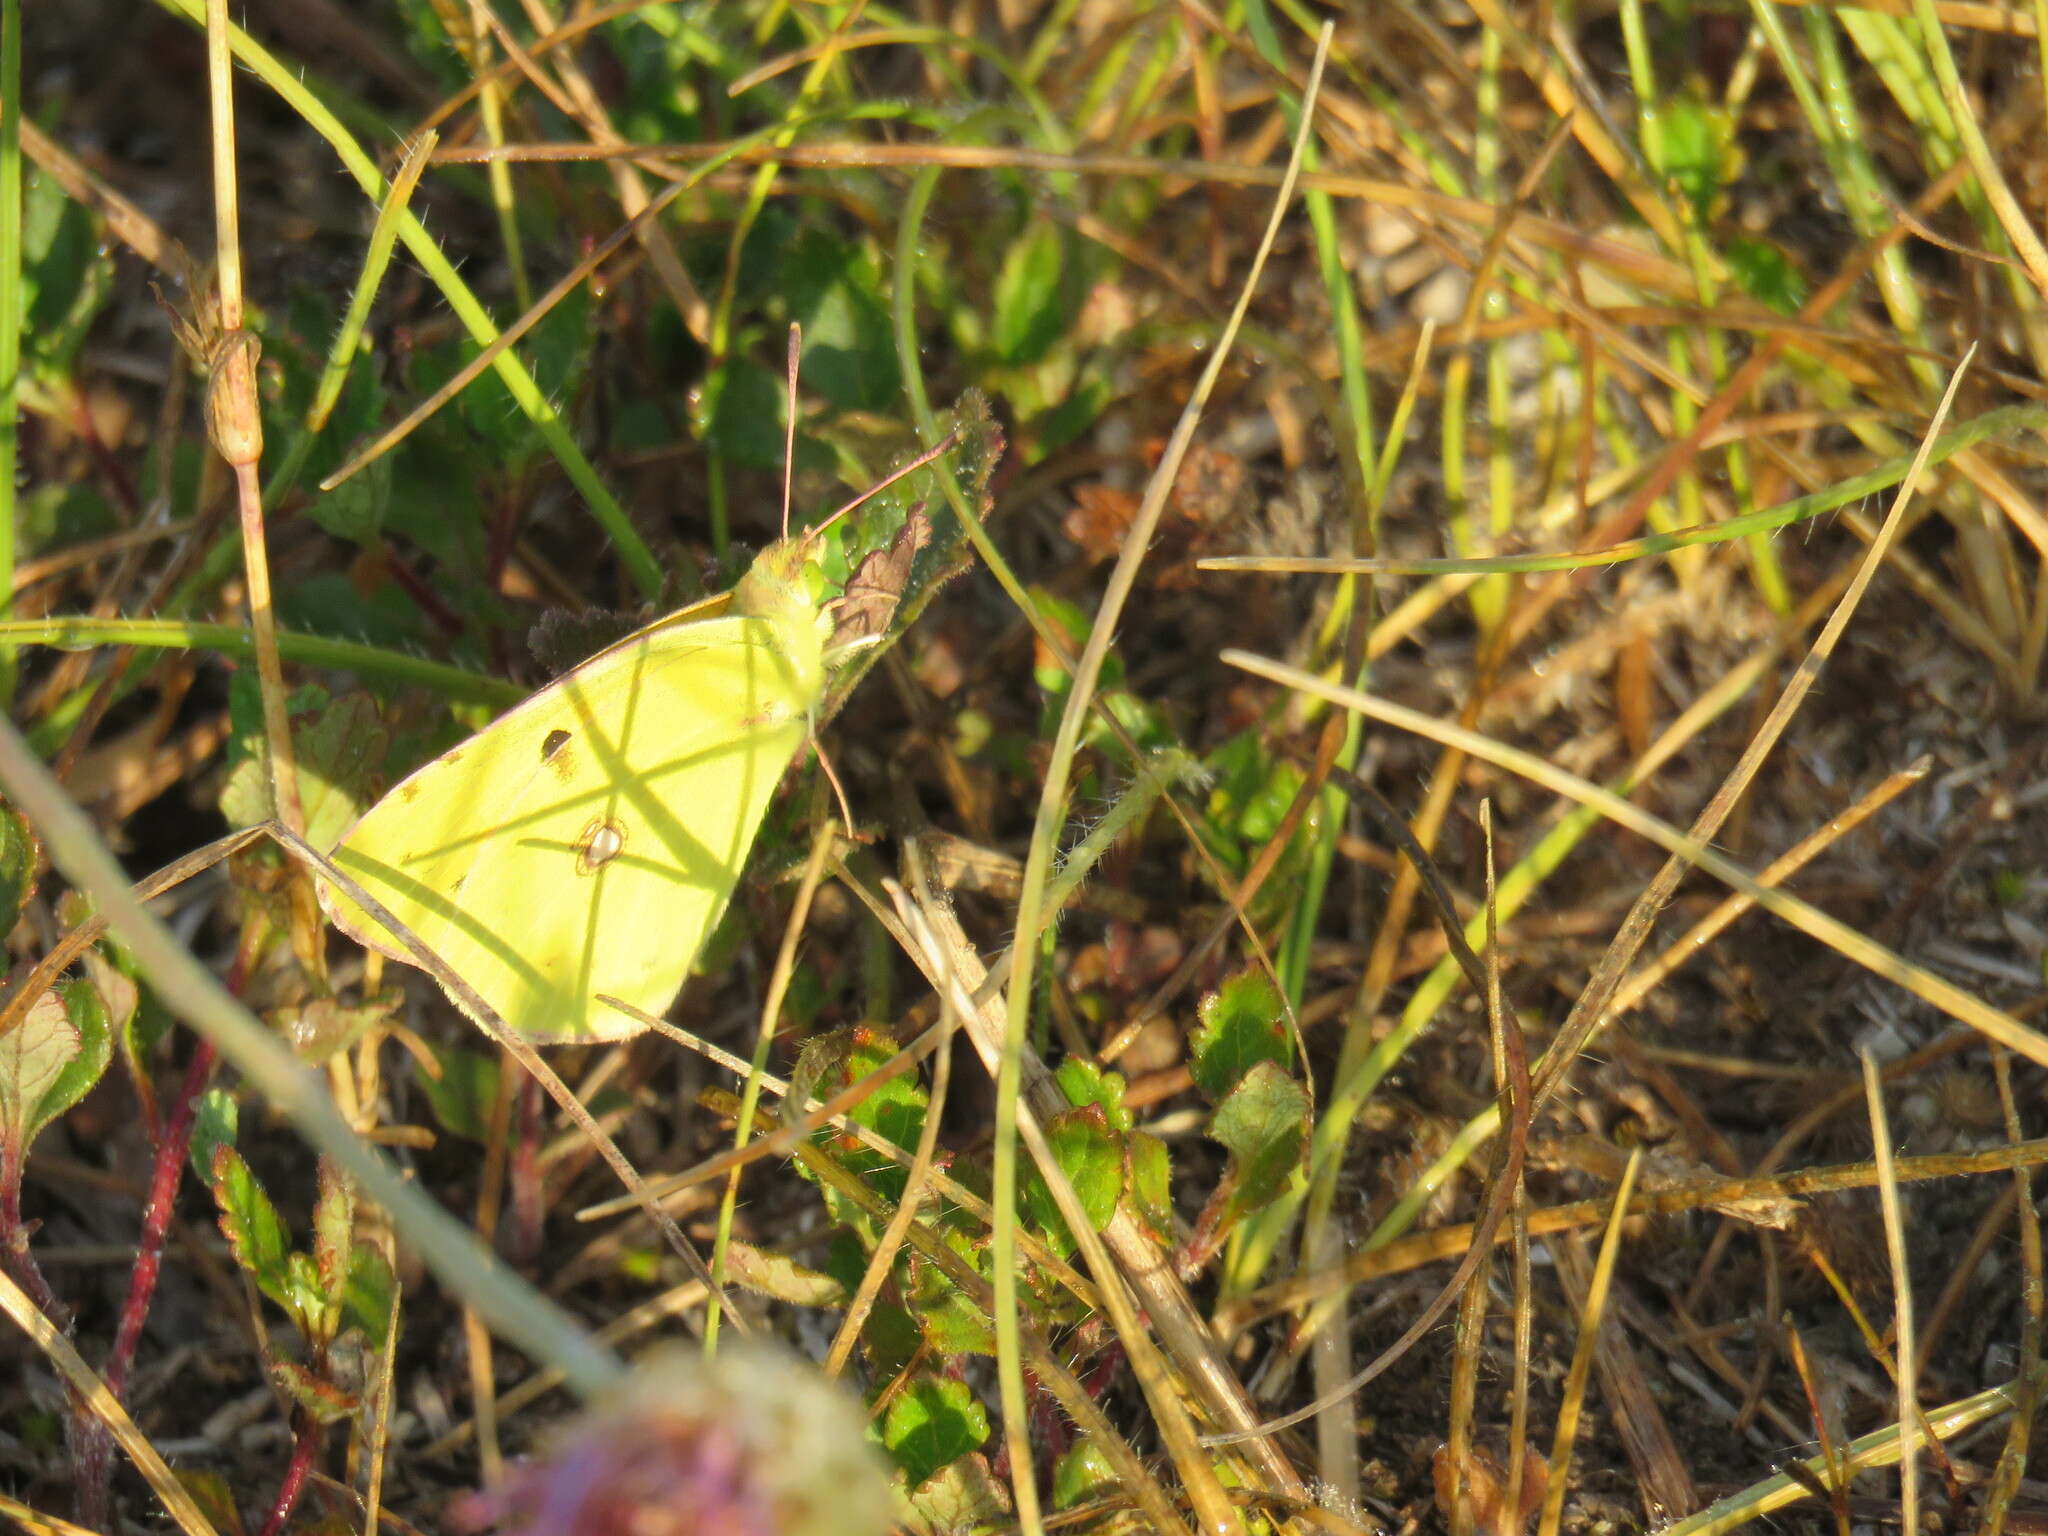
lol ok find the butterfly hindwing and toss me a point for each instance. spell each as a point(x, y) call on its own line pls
point(587, 841)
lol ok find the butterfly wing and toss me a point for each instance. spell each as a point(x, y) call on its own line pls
point(587, 841)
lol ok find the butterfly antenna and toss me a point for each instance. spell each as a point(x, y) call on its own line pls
point(796, 346)
point(945, 445)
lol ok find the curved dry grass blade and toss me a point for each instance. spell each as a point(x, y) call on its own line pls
point(1903, 1373)
point(1582, 1352)
point(85, 1382)
point(1922, 983)
point(2012, 1460)
point(1872, 1451)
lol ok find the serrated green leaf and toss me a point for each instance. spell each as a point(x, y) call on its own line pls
point(33, 1056)
point(1148, 1185)
point(1085, 1083)
point(86, 1011)
point(1092, 1157)
point(1241, 1027)
point(1264, 1121)
point(946, 1316)
point(963, 1495)
point(1082, 1474)
point(255, 1232)
point(932, 1423)
point(19, 853)
point(216, 1122)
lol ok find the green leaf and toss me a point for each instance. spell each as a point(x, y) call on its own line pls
point(19, 853)
point(215, 1497)
point(1092, 1157)
point(1264, 1121)
point(215, 1124)
point(1696, 149)
point(255, 1232)
point(86, 1011)
point(946, 1316)
point(371, 1293)
point(932, 1423)
point(832, 288)
point(1766, 273)
point(355, 509)
point(1241, 1027)
point(1082, 1474)
point(1029, 316)
point(1084, 1083)
point(33, 1056)
point(1148, 1185)
point(463, 1095)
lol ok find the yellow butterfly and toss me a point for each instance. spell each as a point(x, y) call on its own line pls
point(586, 842)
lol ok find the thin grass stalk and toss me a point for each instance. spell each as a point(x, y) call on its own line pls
point(2012, 1457)
point(1837, 1482)
point(1470, 1335)
point(10, 308)
point(1052, 811)
point(764, 1037)
point(633, 553)
point(882, 1261)
point(348, 338)
point(1581, 1369)
point(490, 101)
point(1905, 1370)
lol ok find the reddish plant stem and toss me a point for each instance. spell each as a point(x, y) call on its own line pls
point(14, 1254)
point(92, 1446)
point(171, 1150)
point(305, 1446)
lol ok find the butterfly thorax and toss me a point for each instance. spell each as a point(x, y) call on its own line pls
point(786, 587)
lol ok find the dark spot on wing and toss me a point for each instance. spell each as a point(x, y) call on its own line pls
point(554, 753)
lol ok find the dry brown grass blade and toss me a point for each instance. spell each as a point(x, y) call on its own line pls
point(2012, 1458)
point(1837, 1485)
point(1906, 1368)
point(1768, 1194)
point(85, 1382)
point(1663, 1481)
point(1590, 1316)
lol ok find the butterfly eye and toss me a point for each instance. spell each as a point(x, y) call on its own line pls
point(602, 841)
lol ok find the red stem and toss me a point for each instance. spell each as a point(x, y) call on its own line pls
point(93, 1458)
point(171, 1149)
point(305, 1446)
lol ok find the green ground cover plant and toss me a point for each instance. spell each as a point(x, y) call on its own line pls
point(1404, 891)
